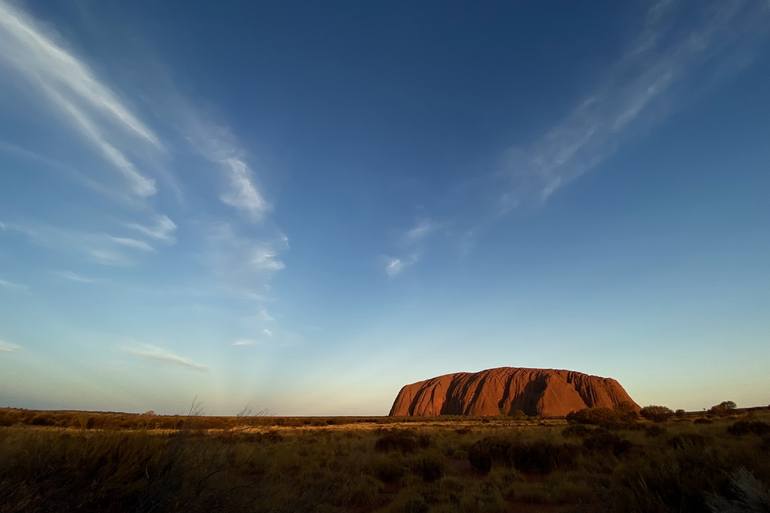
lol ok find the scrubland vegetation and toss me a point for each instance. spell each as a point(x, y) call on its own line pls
point(596, 460)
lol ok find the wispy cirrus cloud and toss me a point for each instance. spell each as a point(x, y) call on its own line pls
point(411, 244)
point(128, 242)
point(73, 276)
point(242, 192)
point(159, 354)
point(162, 228)
point(216, 143)
point(245, 342)
point(266, 335)
point(422, 229)
point(91, 107)
point(396, 265)
point(659, 65)
point(10, 285)
point(7, 347)
point(244, 263)
point(100, 248)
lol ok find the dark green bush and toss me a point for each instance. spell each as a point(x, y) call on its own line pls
point(576, 431)
point(666, 482)
point(397, 440)
point(537, 457)
point(388, 471)
point(605, 417)
point(429, 468)
point(655, 431)
point(687, 440)
point(601, 440)
point(480, 456)
point(722, 409)
point(541, 456)
point(749, 427)
point(656, 413)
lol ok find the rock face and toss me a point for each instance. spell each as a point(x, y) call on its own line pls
point(493, 392)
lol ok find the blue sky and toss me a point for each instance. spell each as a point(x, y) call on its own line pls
point(301, 207)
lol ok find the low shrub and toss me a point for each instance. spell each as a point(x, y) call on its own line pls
point(722, 409)
point(401, 440)
point(687, 440)
point(415, 504)
point(655, 431)
point(749, 427)
point(703, 420)
point(656, 413)
point(536, 457)
point(605, 417)
point(429, 468)
point(542, 457)
point(576, 431)
point(747, 494)
point(388, 471)
point(601, 440)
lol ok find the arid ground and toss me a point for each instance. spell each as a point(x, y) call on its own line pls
point(77, 461)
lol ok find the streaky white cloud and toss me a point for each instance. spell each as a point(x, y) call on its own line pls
point(109, 257)
point(140, 185)
point(218, 145)
point(637, 91)
point(7, 347)
point(412, 241)
point(267, 332)
point(396, 265)
point(243, 263)
point(421, 229)
point(73, 276)
point(70, 85)
point(159, 354)
point(162, 228)
point(244, 342)
point(100, 248)
point(242, 192)
point(264, 315)
point(63, 169)
point(131, 243)
point(265, 258)
point(10, 285)
point(393, 266)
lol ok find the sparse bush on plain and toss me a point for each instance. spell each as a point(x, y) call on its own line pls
point(749, 427)
point(687, 440)
point(723, 408)
point(655, 431)
point(537, 457)
point(576, 431)
point(603, 441)
point(656, 413)
point(401, 440)
point(747, 495)
point(605, 417)
point(388, 471)
point(429, 467)
point(285, 467)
